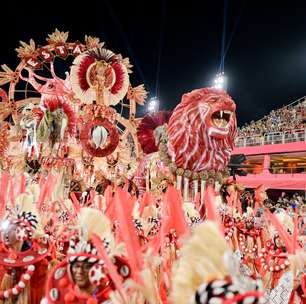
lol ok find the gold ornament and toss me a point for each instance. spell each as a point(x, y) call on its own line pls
point(128, 65)
point(93, 42)
point(138, 94)
point(26, 50)
point(187, 173)
point(57, 37)
point(8, 75)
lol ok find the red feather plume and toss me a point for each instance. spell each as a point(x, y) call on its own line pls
point(174, 202)
point(119, 78)
point(22, 184)
point(3, 96)
point(11, 193)
point(116, 278)
point(212, 213)
point(110, 211)
point(87, 61)
point(46, 190)
point(284, 235)
point(75, 203)
point(147, 200)
point(124, 208)
point(145, 133)
point(3, 188)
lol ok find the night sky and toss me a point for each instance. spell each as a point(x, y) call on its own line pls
point(175, 45)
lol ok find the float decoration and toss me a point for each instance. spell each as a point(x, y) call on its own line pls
point(50, 110)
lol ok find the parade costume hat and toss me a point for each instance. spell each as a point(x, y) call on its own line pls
point(208, 273)
point(21, 224)
point(61, 287)
point(24, 218)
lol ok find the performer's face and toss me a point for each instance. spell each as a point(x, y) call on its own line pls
point(80, 271)
point(278, 242)
point(8, 236)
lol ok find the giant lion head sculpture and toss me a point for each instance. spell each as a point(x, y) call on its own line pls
point(201, 130)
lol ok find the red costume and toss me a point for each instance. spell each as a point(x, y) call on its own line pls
point(24, 271)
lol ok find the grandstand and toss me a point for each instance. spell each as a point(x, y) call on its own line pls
point(275, 148)
point(285, 125)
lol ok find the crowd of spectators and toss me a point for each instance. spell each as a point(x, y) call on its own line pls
point(293, 201)
point(288, 118)
point(285, 201)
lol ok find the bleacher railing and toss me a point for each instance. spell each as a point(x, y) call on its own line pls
point(271, 138)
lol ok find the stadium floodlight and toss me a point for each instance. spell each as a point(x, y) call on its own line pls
point(153, 104)
point(220, 81)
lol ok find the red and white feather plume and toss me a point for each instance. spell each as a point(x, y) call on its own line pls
point(116, 76)
point(145, 132)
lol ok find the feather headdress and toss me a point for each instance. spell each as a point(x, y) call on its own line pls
point(201, 259)
point(90, 222)
point(208, 273)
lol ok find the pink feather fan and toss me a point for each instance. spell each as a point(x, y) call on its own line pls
point(116, 278)
point(173, 202)
point(147, 200)
point(284, 235)
point(124, 207)
point(3, 189)
point(211, 211)
point(46, 190)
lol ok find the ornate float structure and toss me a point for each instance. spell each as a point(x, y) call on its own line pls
point(69, 107)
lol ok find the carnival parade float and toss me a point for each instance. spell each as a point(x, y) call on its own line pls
point(98, 205)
